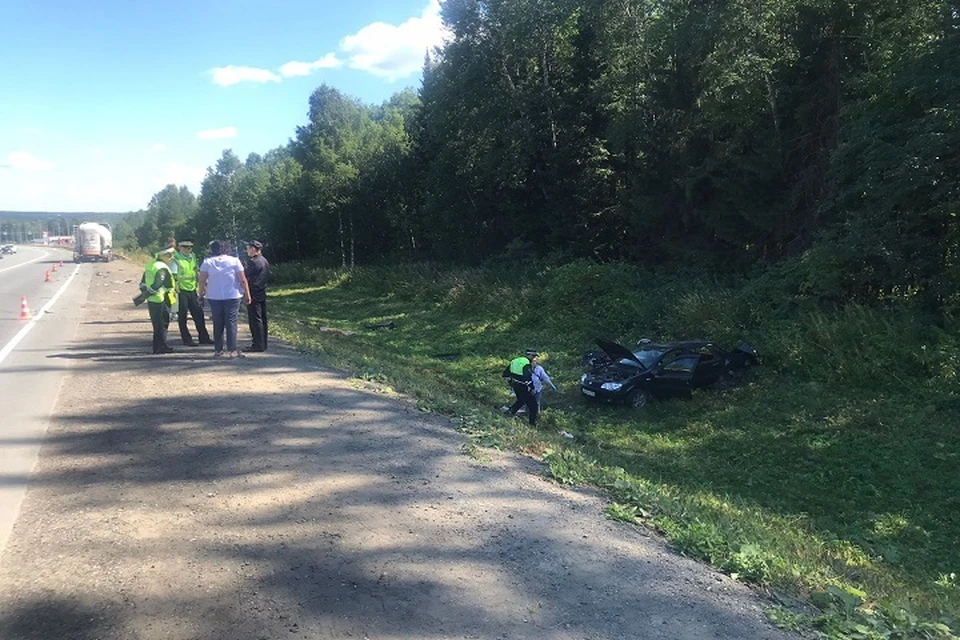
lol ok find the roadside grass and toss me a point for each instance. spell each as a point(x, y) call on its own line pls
point(138, 257)
point(829, 474)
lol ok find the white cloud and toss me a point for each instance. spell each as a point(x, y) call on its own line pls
point(228, 75)
point(384, 50)
point(27, 162)
point(329, 61)
point(395, 51)
point(218, 134)
point(157, 148)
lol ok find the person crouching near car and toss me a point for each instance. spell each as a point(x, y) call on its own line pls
point(519, 373)
point(540, 378)
point(158, 284)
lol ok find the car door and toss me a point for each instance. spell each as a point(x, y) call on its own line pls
point(709, 366)
point(674, 374)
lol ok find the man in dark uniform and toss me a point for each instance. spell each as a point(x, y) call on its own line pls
point(519, 373)
point(257, 272)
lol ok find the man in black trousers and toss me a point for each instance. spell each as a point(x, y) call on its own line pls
point(189, 302)
point(257, 272)
point(519, 373)
point(159, 290)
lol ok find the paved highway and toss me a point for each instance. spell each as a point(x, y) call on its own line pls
point(32, 361)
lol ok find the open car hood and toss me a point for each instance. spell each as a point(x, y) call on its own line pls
point(617, 351)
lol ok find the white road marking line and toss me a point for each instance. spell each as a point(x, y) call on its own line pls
point(8, 348)
point(17, 266)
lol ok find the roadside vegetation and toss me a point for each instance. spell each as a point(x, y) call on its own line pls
point(828, 475)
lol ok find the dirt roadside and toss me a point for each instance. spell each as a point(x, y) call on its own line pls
point(187, 497)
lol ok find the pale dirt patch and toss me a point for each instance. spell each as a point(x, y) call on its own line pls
point(186, 497)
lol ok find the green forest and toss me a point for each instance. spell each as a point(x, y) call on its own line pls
point(786, 171)
point(820, 134)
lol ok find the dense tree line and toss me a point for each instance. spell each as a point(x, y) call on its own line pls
point(822, 134)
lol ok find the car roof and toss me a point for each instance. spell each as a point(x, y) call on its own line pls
point(681, 344)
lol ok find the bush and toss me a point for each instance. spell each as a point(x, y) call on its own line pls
point(587, 301)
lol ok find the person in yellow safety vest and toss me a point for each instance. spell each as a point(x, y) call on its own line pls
point(158, 283)
point(172, 244)
point(519, 373)
point(186, 276)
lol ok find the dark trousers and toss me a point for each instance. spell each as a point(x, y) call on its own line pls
point(160, 319)
point(190, 303)
point(224, 314)
point(257, 317)
point(525, 397)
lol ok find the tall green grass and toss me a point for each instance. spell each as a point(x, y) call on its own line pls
point(830, 473)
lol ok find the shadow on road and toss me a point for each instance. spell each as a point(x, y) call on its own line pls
point(186, 497)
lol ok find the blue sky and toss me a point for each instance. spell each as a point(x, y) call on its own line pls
point(104, 102)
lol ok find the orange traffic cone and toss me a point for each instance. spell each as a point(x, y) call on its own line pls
point(54, 269)
point(24, 309)
point(46, 278)
point(61, 263)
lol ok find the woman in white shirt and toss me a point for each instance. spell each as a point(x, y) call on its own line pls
point(221, 281)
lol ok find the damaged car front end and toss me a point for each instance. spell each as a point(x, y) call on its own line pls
point(658, 370)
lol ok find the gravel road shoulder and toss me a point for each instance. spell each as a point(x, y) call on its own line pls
point(189, 497)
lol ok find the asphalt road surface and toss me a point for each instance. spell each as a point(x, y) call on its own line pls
point(30, 374)
point(184, 496)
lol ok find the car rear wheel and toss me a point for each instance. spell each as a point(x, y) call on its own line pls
point(639, 398)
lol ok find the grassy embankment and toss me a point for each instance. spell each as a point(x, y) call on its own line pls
point(830, 474)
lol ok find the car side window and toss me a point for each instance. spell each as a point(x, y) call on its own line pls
point(681, 364)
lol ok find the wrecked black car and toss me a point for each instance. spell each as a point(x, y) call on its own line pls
point(671, 369)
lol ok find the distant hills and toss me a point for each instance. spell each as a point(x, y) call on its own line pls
point(23, 216)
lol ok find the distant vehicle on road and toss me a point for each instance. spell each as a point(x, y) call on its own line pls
point(93, 242)
point(8, 249)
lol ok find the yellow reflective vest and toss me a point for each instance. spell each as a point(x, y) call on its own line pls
point(186, 271)
point(519, 371)
point(517, 366)
point(165, 290)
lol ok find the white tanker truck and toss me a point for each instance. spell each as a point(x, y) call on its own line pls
point(93, 242)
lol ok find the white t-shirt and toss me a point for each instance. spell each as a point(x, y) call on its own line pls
point(223, 277)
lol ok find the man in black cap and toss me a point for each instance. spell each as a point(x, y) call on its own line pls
point(257, 272)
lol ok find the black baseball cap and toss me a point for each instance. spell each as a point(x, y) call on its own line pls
point(256, 244)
